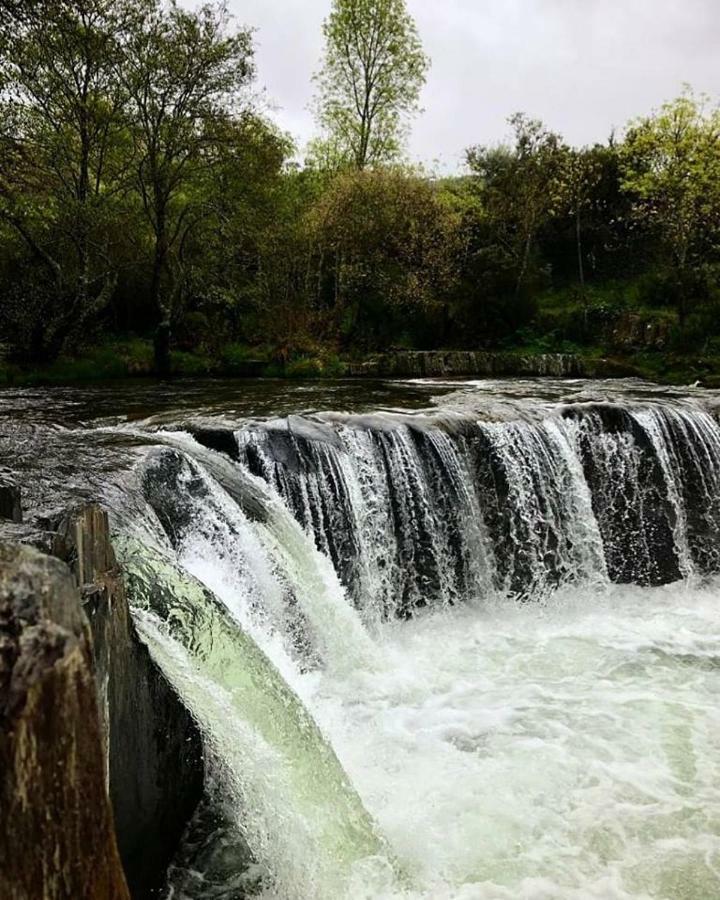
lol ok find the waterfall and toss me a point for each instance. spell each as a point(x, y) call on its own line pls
point(266, 569)
point(298, 812)
point(275, 555)
point(417, 514)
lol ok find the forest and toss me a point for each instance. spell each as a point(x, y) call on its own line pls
point(154, 219)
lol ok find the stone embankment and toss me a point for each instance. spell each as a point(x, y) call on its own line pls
point(480, 363)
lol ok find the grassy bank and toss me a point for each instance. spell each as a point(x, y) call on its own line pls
point(130, 359)
point(133, 358)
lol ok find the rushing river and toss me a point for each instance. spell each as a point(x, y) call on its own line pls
point(444, 640)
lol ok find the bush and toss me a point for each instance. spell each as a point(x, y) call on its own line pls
point(241, 359)
point(182, 363)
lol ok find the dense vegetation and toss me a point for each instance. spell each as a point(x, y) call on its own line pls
point(153, 217)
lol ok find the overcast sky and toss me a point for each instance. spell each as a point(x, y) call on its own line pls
point(583, 66)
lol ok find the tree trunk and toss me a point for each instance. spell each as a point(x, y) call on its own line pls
point(581, 268)
point(161, 342)
point(161, 346)
point(525, 263)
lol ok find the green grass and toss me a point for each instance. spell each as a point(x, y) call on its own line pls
point(187, 365)
point(325, 366)
point(118, 359)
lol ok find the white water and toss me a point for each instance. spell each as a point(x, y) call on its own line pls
point(570, 751)
point(302, 819)
point(559, 750)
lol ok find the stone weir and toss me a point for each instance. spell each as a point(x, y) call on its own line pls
point(101, 766)
point(451, 363)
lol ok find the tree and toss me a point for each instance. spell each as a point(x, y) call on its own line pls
point(369, 85)
point(186, 74)
point(519, 188)
point(62, 164)
point(579, 175)
point(390, 244)
point(671, 168)
point(238, 201)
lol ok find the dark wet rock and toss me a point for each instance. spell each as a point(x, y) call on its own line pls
point(156, 768)
point(58, 840)
point(31, 535)
point(222, 440)
point(165, 468)
point(214, 861)
point(10, 500)
point(173, 487)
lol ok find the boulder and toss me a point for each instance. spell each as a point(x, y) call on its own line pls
point(57, 839)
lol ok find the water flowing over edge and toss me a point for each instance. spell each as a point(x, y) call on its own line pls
point(414, 516)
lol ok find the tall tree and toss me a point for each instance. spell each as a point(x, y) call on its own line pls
point(390, 245)
point(369, 85)
point(186, 74)
point(60, 138)
point(579, 173)
point(671, 168)
point(519, 186)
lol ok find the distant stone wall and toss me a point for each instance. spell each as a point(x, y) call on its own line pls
point(438, 363)
point(485, 364)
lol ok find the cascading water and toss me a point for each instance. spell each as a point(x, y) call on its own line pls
point(380, 576)
point(414, 514)
point(305, 816)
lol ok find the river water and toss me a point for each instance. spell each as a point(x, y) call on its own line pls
point(497, 601)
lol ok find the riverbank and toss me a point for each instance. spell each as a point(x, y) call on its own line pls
point(131, 359)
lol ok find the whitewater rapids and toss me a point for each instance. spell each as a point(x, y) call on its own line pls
point(561, 752)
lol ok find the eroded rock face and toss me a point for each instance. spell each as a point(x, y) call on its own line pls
point(155, 766)
point(57, 840)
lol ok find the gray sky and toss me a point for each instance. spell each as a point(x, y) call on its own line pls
point(583, 66)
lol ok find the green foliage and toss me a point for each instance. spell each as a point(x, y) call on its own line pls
point(184, 73)
point(390, 240)
point(108, 361)
point(373, 70)
point(141, 187)
point(182, 363)
point(519, 188)
point(63, 155)
point(329, 366)
point(671, 166)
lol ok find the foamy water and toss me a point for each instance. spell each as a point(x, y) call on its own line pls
point(564, 751)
